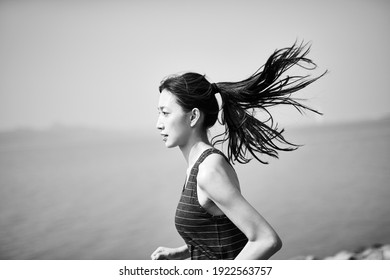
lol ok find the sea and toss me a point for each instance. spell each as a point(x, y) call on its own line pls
point(74, 193)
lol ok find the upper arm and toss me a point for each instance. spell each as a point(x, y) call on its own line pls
point(218, 181)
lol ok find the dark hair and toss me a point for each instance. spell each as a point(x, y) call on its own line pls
point(192, 90)
point(240, 101)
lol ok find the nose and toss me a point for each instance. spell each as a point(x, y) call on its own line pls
point(159, 124)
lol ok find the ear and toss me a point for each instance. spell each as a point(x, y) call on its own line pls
point(195, 116)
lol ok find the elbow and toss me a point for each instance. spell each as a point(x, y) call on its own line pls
point(275, 243)
point(266, 246)
point(272, 244)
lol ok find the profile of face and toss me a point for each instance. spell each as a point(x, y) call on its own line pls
point(173, 122)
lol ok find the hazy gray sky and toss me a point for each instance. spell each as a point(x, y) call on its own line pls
point(99, 63)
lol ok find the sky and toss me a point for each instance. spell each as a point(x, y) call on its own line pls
point(99, 63)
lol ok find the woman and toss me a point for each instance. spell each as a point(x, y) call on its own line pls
point(213, 218)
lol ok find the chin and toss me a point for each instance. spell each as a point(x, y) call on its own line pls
point(170, 145)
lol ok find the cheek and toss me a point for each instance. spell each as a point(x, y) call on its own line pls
point(180, 125)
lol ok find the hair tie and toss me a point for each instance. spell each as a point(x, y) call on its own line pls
point(214, 88)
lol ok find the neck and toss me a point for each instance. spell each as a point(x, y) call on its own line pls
point(195, 146)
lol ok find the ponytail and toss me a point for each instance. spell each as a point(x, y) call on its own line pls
point(264, 89)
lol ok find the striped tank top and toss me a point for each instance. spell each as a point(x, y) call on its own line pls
point(207, 236)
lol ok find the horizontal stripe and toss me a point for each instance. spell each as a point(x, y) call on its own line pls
point(194, 226)
point(197, 232)
point(191, 225)
point(227, 244)
point(220, 222)
point(189, 204)
point(241, 241)
point(206, 239)
point(192, 219)
point(227, 231)
point(187, 211)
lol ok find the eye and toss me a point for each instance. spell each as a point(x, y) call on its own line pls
point(164, 113)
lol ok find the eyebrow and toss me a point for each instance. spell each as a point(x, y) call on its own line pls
point(161, 107)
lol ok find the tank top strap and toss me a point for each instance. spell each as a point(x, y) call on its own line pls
point(191, 181)
point(205, 154)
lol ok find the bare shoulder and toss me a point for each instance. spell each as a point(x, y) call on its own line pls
point(216, 173)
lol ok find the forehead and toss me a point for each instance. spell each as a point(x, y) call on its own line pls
point(167, 100)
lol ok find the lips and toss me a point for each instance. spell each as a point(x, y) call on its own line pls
point(164, 136)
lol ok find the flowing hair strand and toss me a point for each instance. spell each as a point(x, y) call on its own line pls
point(266, 88)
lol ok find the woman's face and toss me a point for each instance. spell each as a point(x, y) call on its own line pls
point(173, 122)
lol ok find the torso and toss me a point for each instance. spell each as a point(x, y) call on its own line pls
point(208, 233)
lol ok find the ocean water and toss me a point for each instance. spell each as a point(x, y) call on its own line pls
point(81, 194)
